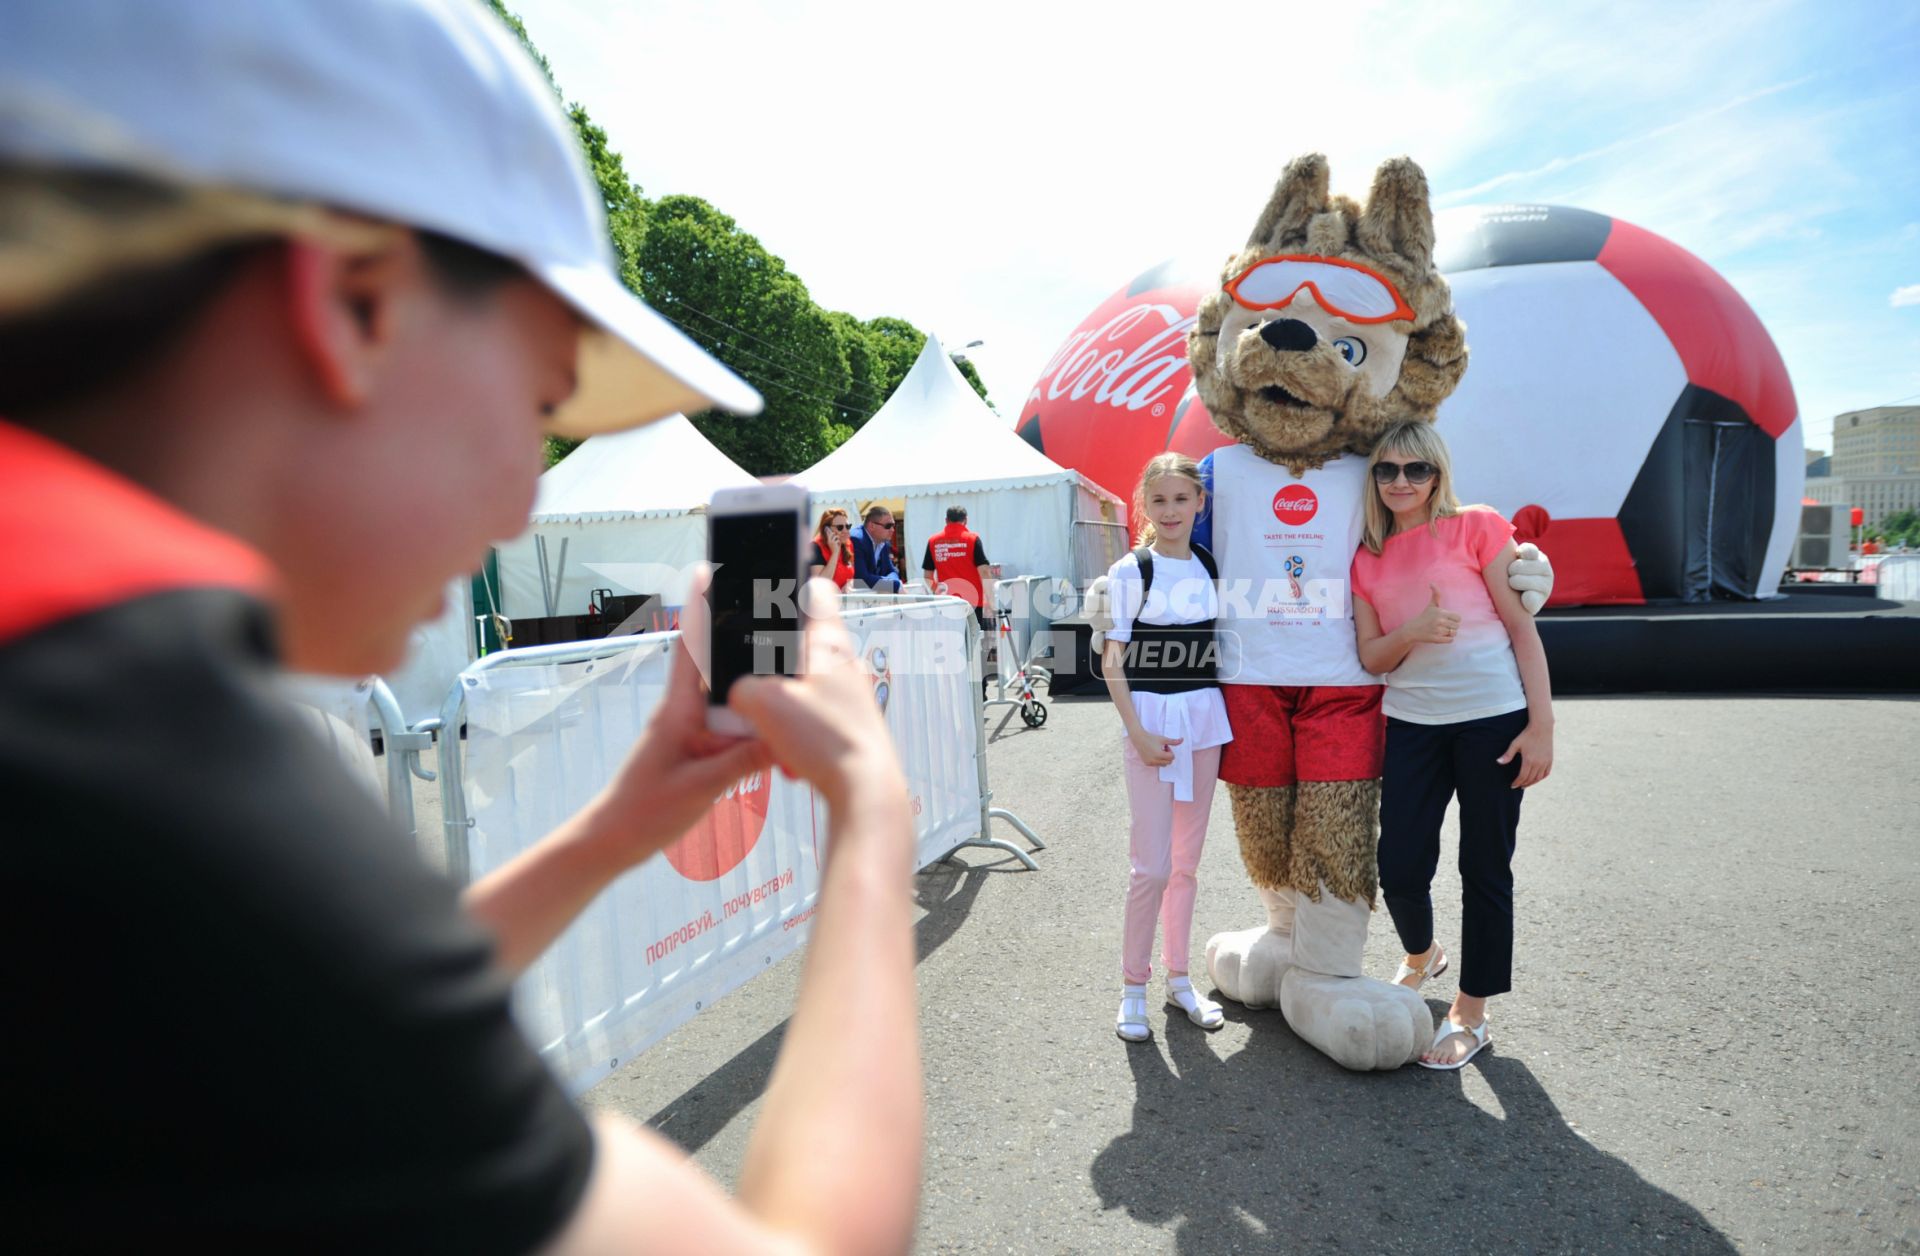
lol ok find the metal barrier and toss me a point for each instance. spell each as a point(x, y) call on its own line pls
point(1898, 576)
point(456, 817)
point(1097, 545)
point(548, 725)
point(351, 704)
point(731, 896)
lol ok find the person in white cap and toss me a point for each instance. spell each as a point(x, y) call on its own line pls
point(289, 293)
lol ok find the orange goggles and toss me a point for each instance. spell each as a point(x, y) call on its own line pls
point(1357, 293)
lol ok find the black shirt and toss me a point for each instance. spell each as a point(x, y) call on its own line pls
point(242, 1014)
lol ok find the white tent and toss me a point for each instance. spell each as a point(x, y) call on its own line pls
point(936, 444)
point(630, 508)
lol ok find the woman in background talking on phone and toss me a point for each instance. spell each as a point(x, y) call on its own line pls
point(832, 556)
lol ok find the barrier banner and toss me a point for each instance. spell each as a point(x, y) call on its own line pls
point(1898, 576)
point(737, 891)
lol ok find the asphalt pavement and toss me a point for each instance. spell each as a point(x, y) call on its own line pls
point(1711, 1044)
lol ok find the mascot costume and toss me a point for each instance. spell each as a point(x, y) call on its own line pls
point(1329, 324)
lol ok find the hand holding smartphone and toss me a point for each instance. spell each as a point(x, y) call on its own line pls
point(756, 545)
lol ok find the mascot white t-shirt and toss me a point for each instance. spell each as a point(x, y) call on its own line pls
point(1285, 560)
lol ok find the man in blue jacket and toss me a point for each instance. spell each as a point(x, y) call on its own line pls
point(873, 565)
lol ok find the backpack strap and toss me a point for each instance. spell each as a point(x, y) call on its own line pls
point(1143, 558)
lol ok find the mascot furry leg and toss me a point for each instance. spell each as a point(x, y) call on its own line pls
point(1307, 957)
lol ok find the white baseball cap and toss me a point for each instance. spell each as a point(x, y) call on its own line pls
point(420, 112)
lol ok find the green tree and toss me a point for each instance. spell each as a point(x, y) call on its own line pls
point(898, 344)
point(740, 303)
point(972, 376)
point(626, 204)
point(519, 29)
point(1902, 527)
point(823, 373)
point(866, 385)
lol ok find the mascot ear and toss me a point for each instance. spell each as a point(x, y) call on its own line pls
point(1436, 359)
point(1398, 221)
point(1300, 194)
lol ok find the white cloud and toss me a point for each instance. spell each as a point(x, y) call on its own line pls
point(1557, 164)
point(1909, 295)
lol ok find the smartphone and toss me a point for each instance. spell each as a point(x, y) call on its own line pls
point(756, 545)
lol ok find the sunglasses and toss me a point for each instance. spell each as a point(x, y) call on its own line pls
point(1357, 293)
point(1416, 472)
point(836, 527)
point(885, 527)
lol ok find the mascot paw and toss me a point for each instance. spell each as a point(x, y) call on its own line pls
point(1362, 1023)
point(1531, 575)
point(1248, 966)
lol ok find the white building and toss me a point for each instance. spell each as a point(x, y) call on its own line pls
point(1875, 463)
point(1881, 495)
point(1882, 441)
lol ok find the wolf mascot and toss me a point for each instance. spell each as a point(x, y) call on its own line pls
point(1329, 324)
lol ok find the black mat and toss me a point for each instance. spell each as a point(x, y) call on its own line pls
point(1816, 639)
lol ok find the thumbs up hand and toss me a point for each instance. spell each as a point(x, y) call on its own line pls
point(1435, 625)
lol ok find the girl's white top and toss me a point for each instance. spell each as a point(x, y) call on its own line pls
point(1182, 593)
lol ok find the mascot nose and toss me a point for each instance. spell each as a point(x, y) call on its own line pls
point(1289, 335)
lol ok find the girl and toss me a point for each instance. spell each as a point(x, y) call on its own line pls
point(1469, 712)
point(1159, 662)
point(832, 554)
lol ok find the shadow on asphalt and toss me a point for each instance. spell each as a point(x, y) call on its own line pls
point(1277, 1148)
point(946, 892)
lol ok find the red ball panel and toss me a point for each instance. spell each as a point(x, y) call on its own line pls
point(1718, 336)
point(1106, 401)
point(1592, 565)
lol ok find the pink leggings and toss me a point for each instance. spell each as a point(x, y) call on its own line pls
point(1164, 851)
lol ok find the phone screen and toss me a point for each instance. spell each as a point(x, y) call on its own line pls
point(755, 621)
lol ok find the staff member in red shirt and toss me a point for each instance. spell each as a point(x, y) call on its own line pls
point(955, 562)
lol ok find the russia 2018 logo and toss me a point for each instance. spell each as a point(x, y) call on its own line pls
point(1295, 504)
point(882, 676)
point(716, 845)
point(1295, 567)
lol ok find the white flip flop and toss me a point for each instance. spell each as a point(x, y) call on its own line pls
point(1448, 1028)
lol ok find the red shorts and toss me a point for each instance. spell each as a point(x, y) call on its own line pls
point(1284, 734)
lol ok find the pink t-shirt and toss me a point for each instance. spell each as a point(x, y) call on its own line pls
point(1473, 676)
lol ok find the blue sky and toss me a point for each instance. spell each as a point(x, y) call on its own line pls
point(993, 170)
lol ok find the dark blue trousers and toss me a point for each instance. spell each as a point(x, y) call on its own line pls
point(1426, 766)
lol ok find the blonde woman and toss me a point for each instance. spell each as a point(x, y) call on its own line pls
point(1160, 663)
point(1469, 712)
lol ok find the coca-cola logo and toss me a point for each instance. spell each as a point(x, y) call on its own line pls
point(1295, 504)
point(1119, 390)
point(716, 845)
point(1116, 367)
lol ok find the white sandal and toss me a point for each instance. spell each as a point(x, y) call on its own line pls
point(1204, 1012)
point(1448, 1028)
point(1131, 1024)
point(1420, 972)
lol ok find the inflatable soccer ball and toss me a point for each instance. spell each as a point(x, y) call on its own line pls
point(1622, 404)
